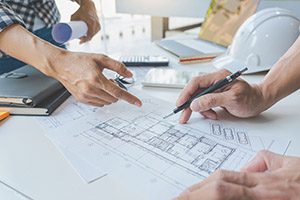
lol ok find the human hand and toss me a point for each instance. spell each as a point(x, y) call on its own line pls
point(87, 13)
point(81, 74)
point(239, 98)
point(267, 177)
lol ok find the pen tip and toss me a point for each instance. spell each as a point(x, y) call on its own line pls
point(165, 117)
point(245, 69)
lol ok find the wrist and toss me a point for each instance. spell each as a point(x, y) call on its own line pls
point(84, 2)
point(268, 94)
point(52, 56)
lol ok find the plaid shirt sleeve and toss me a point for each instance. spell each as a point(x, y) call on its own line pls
point(8, 17)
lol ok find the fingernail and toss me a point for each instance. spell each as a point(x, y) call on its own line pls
point(138, 104)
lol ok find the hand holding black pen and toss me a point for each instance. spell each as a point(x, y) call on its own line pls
point(211, 89)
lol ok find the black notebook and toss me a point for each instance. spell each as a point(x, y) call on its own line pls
point(27, 91)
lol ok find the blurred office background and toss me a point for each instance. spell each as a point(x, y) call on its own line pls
point(126, 23)
point(120, 32)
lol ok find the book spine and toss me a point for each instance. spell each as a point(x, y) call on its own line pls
point(193, 60)
point(53, 89)
point(58, 101)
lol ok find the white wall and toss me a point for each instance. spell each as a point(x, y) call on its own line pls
point(188, 8)
point(164, 8)
point(290, 5)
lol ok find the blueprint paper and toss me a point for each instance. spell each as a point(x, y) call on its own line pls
point(157, 157)
point(85, 170)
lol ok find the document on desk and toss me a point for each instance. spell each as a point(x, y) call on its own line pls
point(7, 192)
point(156, 157)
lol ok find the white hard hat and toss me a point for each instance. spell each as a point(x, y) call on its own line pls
point(261, 41)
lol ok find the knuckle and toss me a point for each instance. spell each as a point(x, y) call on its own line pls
point(117, 93)
point(83, 96)
point(236, 97)
point(245, 193)
point(244, 177)
point(102, 57)
point(95, 80)
point(198, 105)
point(98, 28)
point(211, 100)
point(219, 189)
point(220, 174)
point(106, 86)
point(88, 89)
point(194, 80)
point(121, 67)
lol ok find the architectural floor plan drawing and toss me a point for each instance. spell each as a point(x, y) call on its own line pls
point(156, 157)
point(185, 147)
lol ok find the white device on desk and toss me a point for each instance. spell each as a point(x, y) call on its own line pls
point(144, 61)
point(168, 78)
point(187, 54)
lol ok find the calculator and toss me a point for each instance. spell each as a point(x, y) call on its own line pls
point(144, 61)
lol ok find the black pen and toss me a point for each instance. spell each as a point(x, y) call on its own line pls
point(211, 89)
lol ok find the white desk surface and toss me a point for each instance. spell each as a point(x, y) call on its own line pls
point(31, 163)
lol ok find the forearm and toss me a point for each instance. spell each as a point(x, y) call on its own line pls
point(82, 1)
point(284, 78)
point(19, 43)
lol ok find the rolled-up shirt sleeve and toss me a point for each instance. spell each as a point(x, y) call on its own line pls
point(8, 17)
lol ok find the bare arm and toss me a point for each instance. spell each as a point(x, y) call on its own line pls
point(87, 12)
point(242, 99)
point(80, 73)
point(284, 77)
point(17, 42)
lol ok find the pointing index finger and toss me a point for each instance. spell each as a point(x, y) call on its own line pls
point(119, 93)
point(114, 65)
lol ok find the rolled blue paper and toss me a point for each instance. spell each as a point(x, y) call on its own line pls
point(64, 32)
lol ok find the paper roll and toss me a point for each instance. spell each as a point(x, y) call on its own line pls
point(64, 32)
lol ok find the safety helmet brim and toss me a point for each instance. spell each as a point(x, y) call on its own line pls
point(233, 65)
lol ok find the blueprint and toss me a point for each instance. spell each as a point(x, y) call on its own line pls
point(157, 157)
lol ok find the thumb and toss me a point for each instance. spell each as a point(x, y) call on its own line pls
point(208, 102)
point(113, 65)
point(263, 161)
